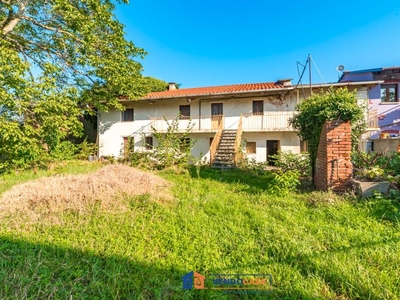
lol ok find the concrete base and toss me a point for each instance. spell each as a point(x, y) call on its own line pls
point(365, 188)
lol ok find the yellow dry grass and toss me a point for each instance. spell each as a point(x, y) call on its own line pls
point(105, 187)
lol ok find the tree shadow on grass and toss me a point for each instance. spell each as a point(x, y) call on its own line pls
point(254, 182)
point(44, 271)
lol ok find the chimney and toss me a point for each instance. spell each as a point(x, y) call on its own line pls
point(285, 82)
point(171, 86)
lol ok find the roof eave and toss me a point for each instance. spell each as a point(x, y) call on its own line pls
point(353, 83)
point(218, 94)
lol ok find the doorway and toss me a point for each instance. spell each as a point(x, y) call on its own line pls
point(216, 115)
point(273, 146)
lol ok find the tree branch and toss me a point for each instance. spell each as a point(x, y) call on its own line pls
point(13, 18)
point(55, 29)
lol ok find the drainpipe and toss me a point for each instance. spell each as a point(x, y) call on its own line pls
point(199, 114)
point(98, 134)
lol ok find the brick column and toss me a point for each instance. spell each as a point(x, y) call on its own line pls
point(333, 168)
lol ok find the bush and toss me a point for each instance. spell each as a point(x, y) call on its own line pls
point(289, 161)
point(174, 149)
point(283, 182)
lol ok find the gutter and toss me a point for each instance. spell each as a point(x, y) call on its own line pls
point(374, 82)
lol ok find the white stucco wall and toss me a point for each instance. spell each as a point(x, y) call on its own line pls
point(112, 130)
point(288, 141)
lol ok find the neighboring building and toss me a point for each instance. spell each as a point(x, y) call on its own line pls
point(259, 111)
point(384, 98)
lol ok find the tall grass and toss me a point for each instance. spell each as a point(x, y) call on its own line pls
point(314, 247)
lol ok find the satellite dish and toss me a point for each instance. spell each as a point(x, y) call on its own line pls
point(340, 68)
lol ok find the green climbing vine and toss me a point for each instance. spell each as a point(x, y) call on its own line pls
point(327, 106)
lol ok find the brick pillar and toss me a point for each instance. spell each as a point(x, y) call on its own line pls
point(333, 168)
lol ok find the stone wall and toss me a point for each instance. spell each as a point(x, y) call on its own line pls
point(333, 169)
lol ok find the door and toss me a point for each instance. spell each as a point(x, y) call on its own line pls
point(216, 115)
point(272, 149)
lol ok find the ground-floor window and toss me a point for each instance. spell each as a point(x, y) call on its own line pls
point(251, 147)
point(303, 146)
point(148, 140)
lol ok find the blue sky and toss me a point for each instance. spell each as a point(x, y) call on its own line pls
point(202, 43)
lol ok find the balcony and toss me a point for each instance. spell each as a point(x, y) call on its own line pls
point(199, 123)
point(269, 121)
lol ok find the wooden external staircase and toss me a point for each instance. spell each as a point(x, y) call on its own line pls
point(225, 147)
point(225, 154)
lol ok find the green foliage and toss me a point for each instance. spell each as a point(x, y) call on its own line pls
point(174, 148)
point(220, 222)
point(326, 106)
point(151, 84)
point(376, 166)
point(287, 161)
point(60, 60)
point(284, 182)
point(382, 208)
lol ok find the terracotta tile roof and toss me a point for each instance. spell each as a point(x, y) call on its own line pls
point(212, 90)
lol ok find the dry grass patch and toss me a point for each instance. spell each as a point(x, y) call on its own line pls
point(105, 187)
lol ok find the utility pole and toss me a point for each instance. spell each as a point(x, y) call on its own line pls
point(309, 71)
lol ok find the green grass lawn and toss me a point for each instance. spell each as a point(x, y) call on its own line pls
point(315, 245)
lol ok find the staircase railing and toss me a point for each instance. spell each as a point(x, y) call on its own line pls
point(144, 128)
point(238, 140)
point(372, 119)
point(216, 140)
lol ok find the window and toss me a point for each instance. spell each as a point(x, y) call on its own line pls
point(148, 140)
point(258, 107)
point(389, 93)
point(303, 146)
point(184, 111)
point(127, 115)
point(251, 147)
point(185, 144)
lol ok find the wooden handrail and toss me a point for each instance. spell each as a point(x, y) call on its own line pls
point(216, 140)
point(238, 140)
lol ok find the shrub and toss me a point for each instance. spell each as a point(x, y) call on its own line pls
point(289, 161)
point(174, 148)
point(283, 182)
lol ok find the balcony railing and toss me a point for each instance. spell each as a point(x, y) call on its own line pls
point(203, 123)
point(268, 121)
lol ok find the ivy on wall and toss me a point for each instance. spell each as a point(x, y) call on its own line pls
point(330, 105)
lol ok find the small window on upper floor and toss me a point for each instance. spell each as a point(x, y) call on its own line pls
point(251, 147)
point(127, 115)
point(184, 111)
point(389, 93)
point(258, 107)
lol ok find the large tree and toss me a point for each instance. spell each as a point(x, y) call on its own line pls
point(58, 59)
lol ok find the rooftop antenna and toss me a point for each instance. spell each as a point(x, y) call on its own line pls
point(340, 69)
point(309, 72)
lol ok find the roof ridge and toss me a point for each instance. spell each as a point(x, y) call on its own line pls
point(227, 85)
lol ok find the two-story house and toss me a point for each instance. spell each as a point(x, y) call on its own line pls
point(384, 98)
point(223, 118)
